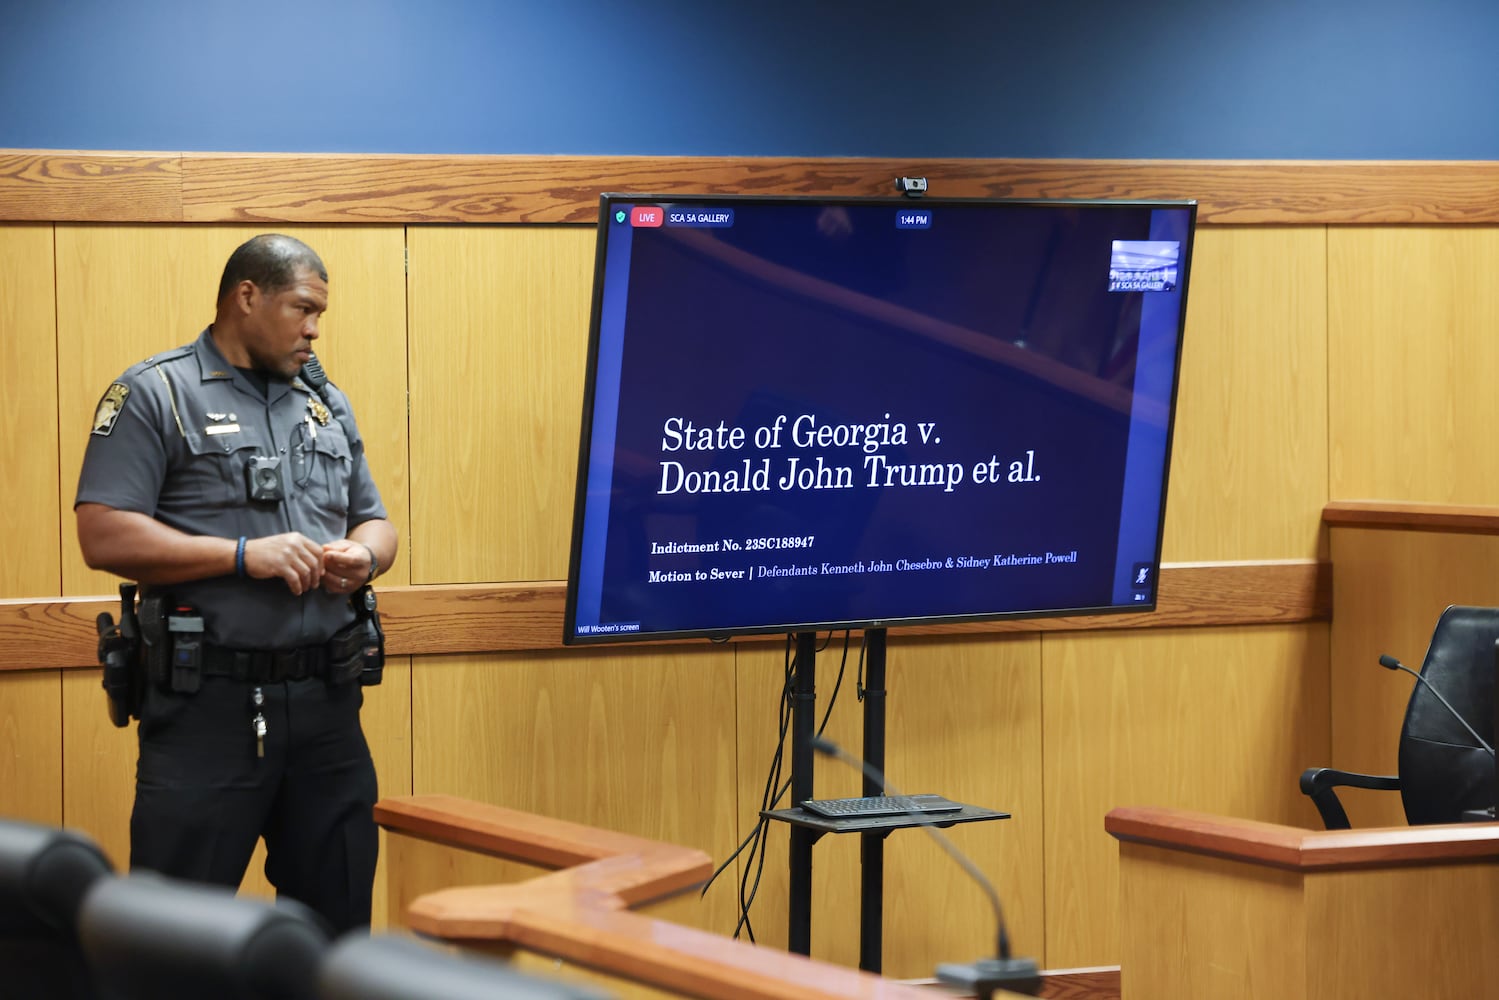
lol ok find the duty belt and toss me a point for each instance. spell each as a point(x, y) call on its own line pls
point(265, 666)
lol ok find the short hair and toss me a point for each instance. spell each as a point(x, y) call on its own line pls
point(271, 261)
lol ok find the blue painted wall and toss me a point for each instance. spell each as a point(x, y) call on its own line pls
point(1334, 79)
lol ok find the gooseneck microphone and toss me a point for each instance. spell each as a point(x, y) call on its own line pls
point(1390, 663)
point(1019, 975)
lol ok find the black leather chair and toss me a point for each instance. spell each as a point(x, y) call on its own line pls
point(397, 967)
point(147, 937)
point(44, 874)
point(1445, 775)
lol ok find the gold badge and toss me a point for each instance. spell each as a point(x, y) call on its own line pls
point(109, 408)
point(319, 411)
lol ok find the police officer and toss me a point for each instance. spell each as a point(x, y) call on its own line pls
point(219, 478)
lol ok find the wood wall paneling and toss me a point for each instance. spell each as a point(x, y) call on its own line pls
point(499, 337)
point(1249, 456)
point(31, 702)
point(31, 751)
point(1217, 720)
point(635, 740)
point(386, 718)
point(1390, 588)
point(964, 719)
point(1359, 916)
point(28, 412)
point(98, 774)
point(1215, 928)
point(1411, 317)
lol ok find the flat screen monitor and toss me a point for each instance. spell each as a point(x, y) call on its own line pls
point(826, 413)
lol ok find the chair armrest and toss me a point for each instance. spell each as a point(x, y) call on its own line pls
point(1319, 782)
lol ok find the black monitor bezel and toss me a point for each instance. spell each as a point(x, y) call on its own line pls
point(606, 202)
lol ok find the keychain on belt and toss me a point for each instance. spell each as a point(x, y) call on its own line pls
point(257, 724)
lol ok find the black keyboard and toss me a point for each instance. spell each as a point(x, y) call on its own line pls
point(880, 805)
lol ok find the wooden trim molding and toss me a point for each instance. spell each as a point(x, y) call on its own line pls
point(1296, 849)
point(497, 617)
point(1098, 983)
point(104, 186)
point(1471, 520)
point(90, 187)
point(1095, 983)
point(579, 911)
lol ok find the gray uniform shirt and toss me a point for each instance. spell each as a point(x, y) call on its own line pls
point(172, 439)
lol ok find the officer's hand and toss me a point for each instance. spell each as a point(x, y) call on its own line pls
point(346, 566)
point(293, 557)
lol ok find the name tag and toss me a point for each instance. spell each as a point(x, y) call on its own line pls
point(221, 429)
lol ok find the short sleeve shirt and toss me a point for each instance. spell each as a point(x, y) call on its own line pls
point(179, 437)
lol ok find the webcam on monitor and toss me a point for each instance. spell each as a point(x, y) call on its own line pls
point(911, 187)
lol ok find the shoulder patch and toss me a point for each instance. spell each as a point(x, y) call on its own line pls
point(109, 408)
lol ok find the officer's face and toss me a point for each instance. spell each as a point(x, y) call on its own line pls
point(282, 325)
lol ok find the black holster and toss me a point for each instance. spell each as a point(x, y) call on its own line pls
point(156, 644)
point(357, 651)
point(120, 656)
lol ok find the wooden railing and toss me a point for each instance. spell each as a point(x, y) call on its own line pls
point(1295, 849)
point(580, 911)
point(474, 618)
point(1233, 909)
point(1400, 516)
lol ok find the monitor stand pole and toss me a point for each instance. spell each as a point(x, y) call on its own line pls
point(1494, 798)
point(871, 845)
point(803, 728)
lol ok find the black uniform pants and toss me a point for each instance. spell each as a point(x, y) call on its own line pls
point(203, 796)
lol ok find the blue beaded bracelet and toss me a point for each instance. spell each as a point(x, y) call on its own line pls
point(239, 557)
